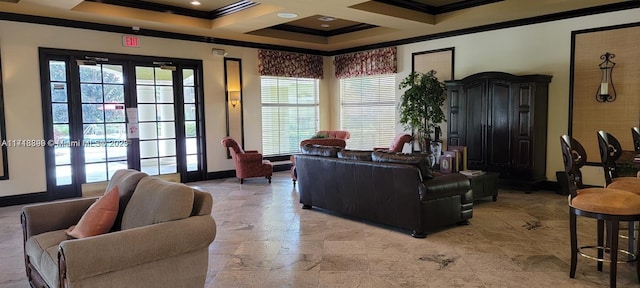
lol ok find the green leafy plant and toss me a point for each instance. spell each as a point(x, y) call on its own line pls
point(320, 136)
point(421, 104)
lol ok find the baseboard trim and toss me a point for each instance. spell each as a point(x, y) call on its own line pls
point(281, 167)
point(23, 199)
point(550, 186)
point(43, 197)
point(221, 174)
point(232, 173)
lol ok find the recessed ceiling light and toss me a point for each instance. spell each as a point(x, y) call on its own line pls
point(195, 3)
point(326, 18)
point(325, 25)
point(287, 15)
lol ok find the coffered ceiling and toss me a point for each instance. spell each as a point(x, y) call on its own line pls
point(321, 25)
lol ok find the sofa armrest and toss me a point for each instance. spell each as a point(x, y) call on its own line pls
point(45, 217)
point(127, 248)
point(251, 157)
point(444, 186)
point(251, 151)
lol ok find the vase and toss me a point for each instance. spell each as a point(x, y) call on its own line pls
point(423, 147)
point(436, 150)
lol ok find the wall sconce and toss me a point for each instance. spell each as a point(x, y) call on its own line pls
point(606, 90)
point(234, 97)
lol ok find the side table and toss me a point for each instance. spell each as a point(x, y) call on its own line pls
point(485, 185)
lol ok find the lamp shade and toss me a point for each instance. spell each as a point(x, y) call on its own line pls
point(234, 97)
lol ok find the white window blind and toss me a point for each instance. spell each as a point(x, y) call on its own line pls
point(368, 110)
point(289, 113)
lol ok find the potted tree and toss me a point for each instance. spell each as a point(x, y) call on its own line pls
point(421, 106)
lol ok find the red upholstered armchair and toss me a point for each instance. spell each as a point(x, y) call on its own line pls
point(318, 141)
point(248, 163)
point(331, 138)
point(398, 143)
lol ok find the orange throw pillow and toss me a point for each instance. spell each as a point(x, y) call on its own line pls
point(99, 218)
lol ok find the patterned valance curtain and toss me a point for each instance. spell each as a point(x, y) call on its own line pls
point(289, 64)
point(366, 63)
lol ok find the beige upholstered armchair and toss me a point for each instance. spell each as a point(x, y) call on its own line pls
point(163, 239)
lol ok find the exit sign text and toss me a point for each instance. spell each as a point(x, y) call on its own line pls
point(130, 41)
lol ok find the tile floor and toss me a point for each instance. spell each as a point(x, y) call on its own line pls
point(266, 240)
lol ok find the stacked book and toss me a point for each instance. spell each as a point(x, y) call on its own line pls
point(453, 160)
point(471, 173)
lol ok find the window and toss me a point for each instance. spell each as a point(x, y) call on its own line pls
point(289, 113)
point(368, 110)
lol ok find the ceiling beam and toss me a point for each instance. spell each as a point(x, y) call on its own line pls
point(395, 11)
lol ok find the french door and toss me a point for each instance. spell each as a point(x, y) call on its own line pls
point(104, 112)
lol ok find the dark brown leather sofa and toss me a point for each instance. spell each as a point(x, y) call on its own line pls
point(394, 194)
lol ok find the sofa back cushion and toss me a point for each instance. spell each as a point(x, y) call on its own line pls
point(156, 201)
point(420, 160)
point(320, 150)
point(126, 180)
point(325, 142)
point(361, 155)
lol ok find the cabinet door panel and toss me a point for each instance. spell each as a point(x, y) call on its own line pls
point(456, 116)
point(524, 110)
point(499, 129)
point(522, 156)
point(476, 124)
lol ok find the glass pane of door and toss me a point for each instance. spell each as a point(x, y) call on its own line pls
point(190, 122)
point(156, 117)
point(60, 117)
point(104, 134)
point(86, 121)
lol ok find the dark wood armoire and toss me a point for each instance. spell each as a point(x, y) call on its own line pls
point(502, 119)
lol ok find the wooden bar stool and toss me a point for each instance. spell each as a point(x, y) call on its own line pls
point(610, 151)
point(606, 205)
point(635, 134)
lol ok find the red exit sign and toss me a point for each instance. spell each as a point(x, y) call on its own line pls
point(130, 41)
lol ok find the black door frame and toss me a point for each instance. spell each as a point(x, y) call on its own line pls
point(129, 62)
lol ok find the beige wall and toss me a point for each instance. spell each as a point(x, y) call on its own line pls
point(542, 48)
point(617, 118)
point(19, 44)
point(535, 49)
